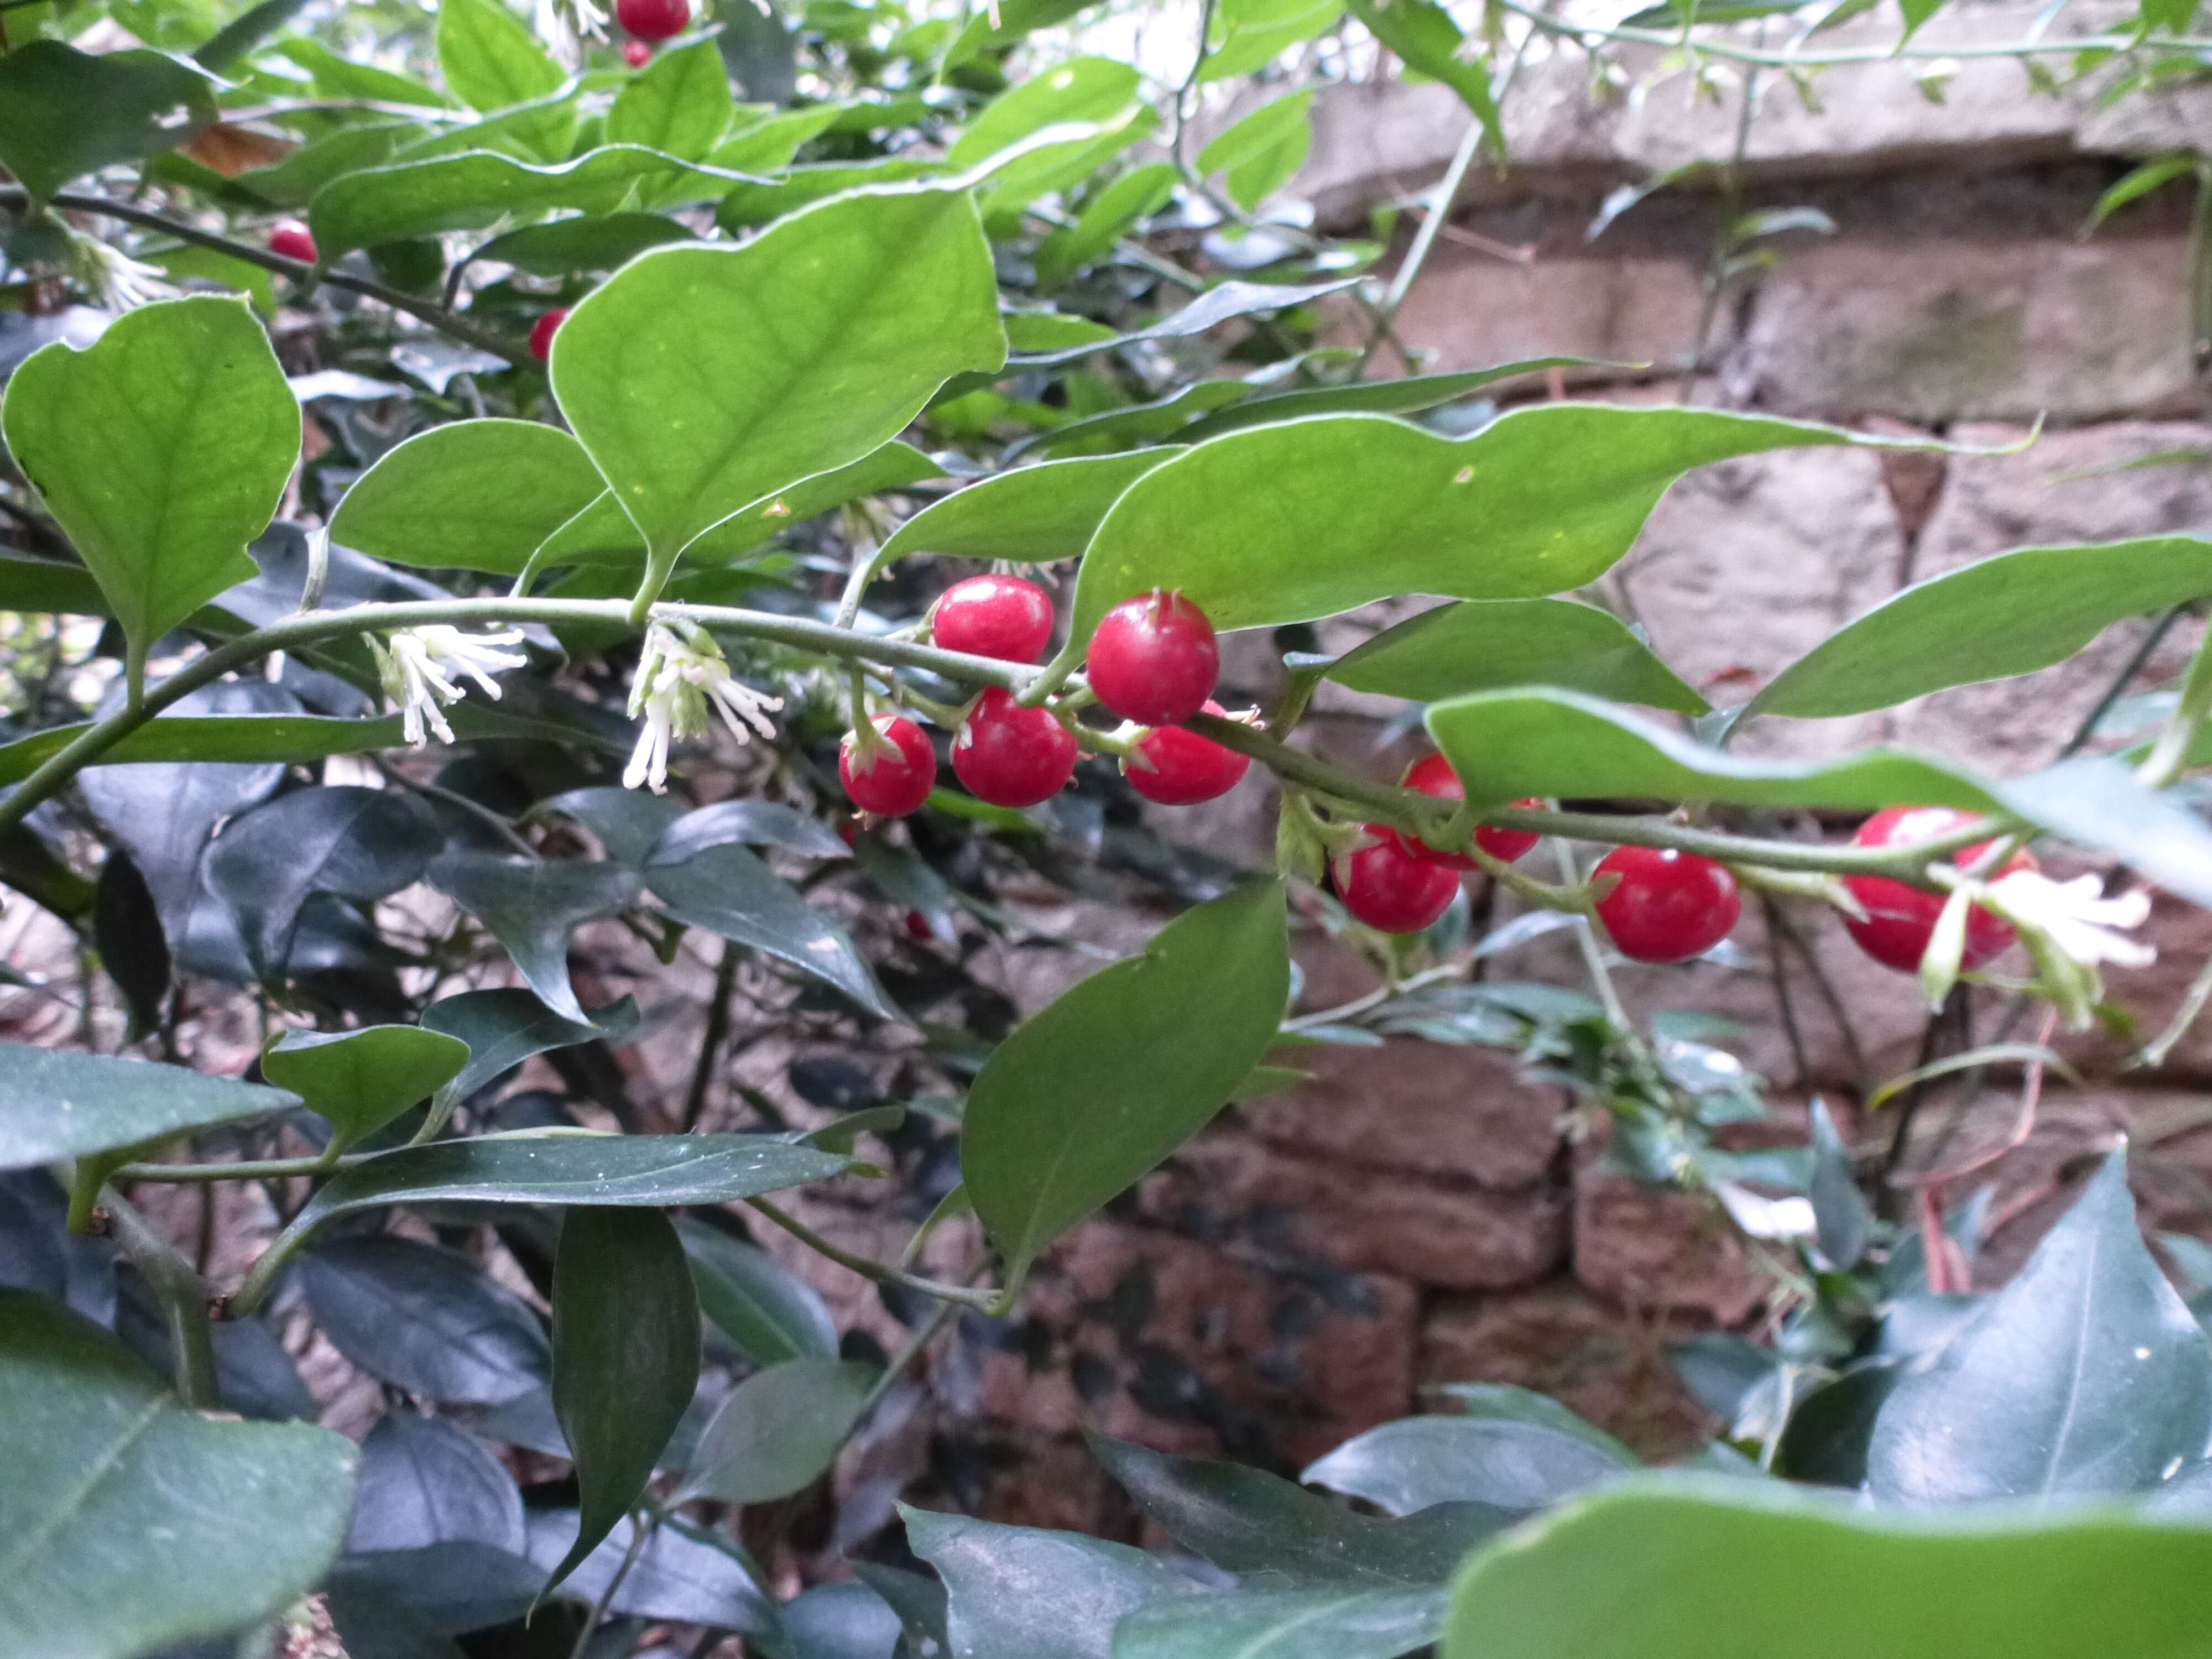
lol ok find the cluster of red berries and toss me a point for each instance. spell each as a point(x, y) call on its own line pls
point(1153, 660)
point(1397, 883)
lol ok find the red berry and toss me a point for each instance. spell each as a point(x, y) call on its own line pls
point(1154, 659)
point(292, 240)
point(1667, 906)
point(1178, 767)
point(1001, 617)
point(542, 331)
point(1011, 756)
point(637, 53)
point(1432, 774)
point(652, 20)
point(889, 784)
point(1900, 918)
point(1389, 889)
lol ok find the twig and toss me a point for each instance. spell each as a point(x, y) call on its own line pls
point(882, 1273)
point(640, 1533)
point(718, 1033)
point(2030, 1095)
point(1782, 1005)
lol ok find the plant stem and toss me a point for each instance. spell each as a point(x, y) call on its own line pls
point(880, 1271)
point(2155, 1051)
point(185, 1298)
point(267, 1168)
point(717, 1033)
point(1586, 940)
point(909, 1350)
point(640, 1533)
point(2169, 755)
point(1425, 237)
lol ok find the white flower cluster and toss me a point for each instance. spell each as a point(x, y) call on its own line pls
point(680, 678)
point(417, 665)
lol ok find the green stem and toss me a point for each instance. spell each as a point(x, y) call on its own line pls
point(2169, 755)
point(267, 1168)
point(880, 1271)
point(185, 1296)
point(1431, 227)
point(1586, 940)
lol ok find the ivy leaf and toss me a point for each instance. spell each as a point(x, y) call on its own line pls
point(1327, 1622)
point(425, 1319)
point(2088, 1374)
point(1029, 1593)
point(778, 1430)
point(770, 1312)
point(625, 1357)
point(64, 1104)
point(1481, 644)
point(1030, 515)
point(679, 104)
point(532, 905)
point(1260, 152)
point(64, 112)
point(133, 1523)
point(1053, 1129)
point(704, 379)
point(489, 58)
point(2011, 614)
point(362, 1078)
point(468, 495)
point(726, 890)
point(162, 448)
point(507, 1025)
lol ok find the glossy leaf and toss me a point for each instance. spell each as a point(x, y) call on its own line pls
point(748, 824)
point(506, 1026)
point(1504, 1402)
point(1260, 151)
point(768, 1311)
point(1078, 89)
point(1541, 500)
point(1162, 418)
point(64, 112)
point(674, 1576)
point(1824, 1442)
point(1717, 1569)
point(1840, 1211)
point(126, 930)
point(2010, 614)
point(401, 1604)
point(679, 104)
point(62, 1104)
point(362, 1078)
point(778, 1430)
point(132, 1523)
point(1030, 515)
point(844, 1619)
point(1479, 645)
point(1507, 1462)
point(768, 144)
point(628, 822)
point(425, 1319)
point(726, 890)
point(703, 379)
point(625, 1356)
point(532, 905)
point(750, 206)
point(2086, 1376)
point(1027, 1593)
point(162, 448)
point(489, 58)
point(1406, 395)
point(424, 1482)
point(358, 843)
point(1336, 1622)
point(468, 495)
point(1052, 1129)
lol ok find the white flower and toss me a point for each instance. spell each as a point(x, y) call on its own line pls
point(414, 666)
point(2076, 916)
point(678, 681)
point(121, 282)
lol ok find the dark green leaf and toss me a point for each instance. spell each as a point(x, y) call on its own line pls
point(425, 1319)
point(126, 926)
point(2008, 615)
point(747, 822)
point(1478, 644)
point(768, 1311)
point(489, 58)
point(679, 105)
point(132, 1523)
point(2086, 1376)
point(1840, 1211)
point(506, 1026)
point(628, 822)
point(362, 1078)
point(1336, 1622)
point(625, 1356)
point(469, 495)
point(1825, 1441)
point(2145, 178)
point(253, 1374)
point(1031, 515)
point(726, 890)
point(778, 1430)
point(544, 130)
point(1052, 1127)
point(50, 585)
point(64, 112)
point(1507, 1462)
point(1751, 1570)
point(401, 1604)
point(840, 1621)
point(703, 379)
point(587, 242)
point(1162, 418)
point(675, 1575)
point(423, 1482)
point(357, 843)
point(162, 448)
point(1504, 1402)
point(1026, 1593)
point(1403, 395)
point(532, 905)
point(63, 1104)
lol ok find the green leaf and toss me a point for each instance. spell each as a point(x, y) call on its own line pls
point(779, 1431)
point(1423, 33)
point(768, 145)
point(469, 495)
point(1087, 89)
point(544, 130)
point(1983, 1055)
point(1249, 34)
point(362, 1078)
point(768, 1311)
point(532, 905)
point(1137, 193)
point(506, 1026)
point(64, 1105)
point(727, 891)
point(49, 585)
point(489, 58)
point(1728, 1569)
point(1054, 1129)
point(342, 77)
point(244, 31)
point(1405, 396)
point(679, 104)
point(1212, 308)
point(64, 112)
point(1252, 528)
point(1161, 418)
point(425, 1319)
point(1030, 515)
point(756, 203)
point(1479, 645)
point(2086, 1376)
point(1331, 1622)
point(704, 379)
point(479, 187)
point(748, 823)
point(1507, 1461)
point(1260, 151)
point(2010, 614)
point(586, 242)
point(1027, 1593)
point(987, 31)
point(163, 448)
point(131, 1524)
point(625, 1356)
point(1840, 1211)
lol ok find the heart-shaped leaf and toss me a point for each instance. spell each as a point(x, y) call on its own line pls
point(1479, 645)
point(64, 1105)
point(362, 1078)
